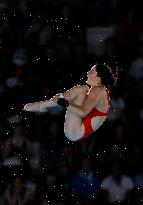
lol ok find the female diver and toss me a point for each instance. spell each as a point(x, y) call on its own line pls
point(87, 107)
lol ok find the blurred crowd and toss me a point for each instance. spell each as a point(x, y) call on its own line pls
point(46, 47)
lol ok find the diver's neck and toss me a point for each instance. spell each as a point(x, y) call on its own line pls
point(97, 86)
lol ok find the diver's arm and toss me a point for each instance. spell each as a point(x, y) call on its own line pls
point(88, 105)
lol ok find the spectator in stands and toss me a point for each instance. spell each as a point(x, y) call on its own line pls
point(85, 183)
point(117, 185)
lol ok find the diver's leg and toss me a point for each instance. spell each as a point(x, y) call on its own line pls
point(73, 128)
point(69, 95)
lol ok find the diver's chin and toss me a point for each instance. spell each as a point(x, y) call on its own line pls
point(87, 83)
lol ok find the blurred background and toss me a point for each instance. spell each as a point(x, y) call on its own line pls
point(47, 47)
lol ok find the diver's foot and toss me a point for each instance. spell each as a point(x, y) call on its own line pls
point(35, 107)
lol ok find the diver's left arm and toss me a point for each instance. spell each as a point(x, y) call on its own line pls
point(88, 105)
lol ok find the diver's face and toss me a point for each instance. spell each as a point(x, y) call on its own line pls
point(91, 76)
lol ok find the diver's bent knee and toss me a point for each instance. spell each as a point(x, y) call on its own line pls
point(82, 89)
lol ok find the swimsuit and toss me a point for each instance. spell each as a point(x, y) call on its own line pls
point(87, 119)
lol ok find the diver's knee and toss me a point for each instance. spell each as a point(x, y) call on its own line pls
point(82, 88)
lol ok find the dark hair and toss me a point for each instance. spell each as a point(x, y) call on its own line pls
point(108, 77)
